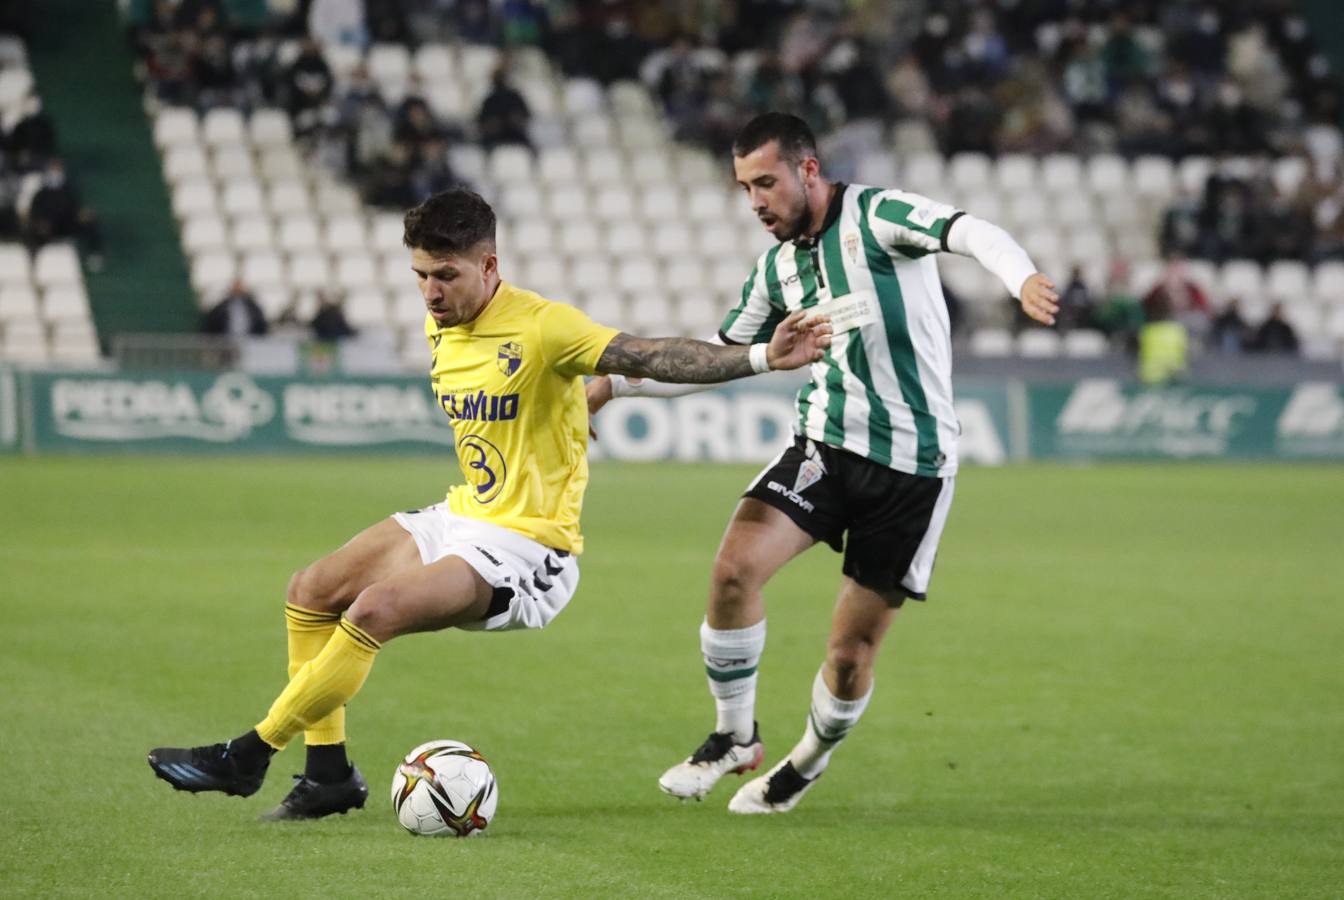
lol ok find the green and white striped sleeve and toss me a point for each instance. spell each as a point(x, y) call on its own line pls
point(910, 224)
point(760, 309)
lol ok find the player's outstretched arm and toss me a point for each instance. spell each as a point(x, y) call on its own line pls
point(795, 343)
point(994, 248)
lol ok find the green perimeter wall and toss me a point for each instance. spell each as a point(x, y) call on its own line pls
point(1097, 418)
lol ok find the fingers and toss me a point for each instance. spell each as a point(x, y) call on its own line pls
point(794, 321)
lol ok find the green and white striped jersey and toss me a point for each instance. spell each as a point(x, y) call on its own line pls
point(884, 389)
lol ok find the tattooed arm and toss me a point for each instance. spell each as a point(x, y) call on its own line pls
point(795, 343)
point(674, 359)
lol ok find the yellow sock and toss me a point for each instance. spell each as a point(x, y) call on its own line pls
point(323, 685)
point(308, 632)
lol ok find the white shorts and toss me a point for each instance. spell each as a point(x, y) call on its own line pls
point(532, 582)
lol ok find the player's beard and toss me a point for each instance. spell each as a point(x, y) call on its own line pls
point(795, 222)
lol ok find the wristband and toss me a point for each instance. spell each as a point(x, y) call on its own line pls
point(757, 357)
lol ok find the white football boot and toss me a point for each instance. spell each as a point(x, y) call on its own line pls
point(777, 791)
point(715, 758)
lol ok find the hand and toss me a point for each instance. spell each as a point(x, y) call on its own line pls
point(798, 341)
point(599, 393)
point(1039, 299)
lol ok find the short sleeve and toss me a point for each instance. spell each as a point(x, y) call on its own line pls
point(571, 342)
point(760, 309)
point(910, 224)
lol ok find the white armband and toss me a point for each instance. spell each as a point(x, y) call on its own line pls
point(758, 356)
point(993, 248)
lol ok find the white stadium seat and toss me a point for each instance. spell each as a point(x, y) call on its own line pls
point(878, 167)
point(717, 239)
point(56, 264)
point(203, 234)
point(1016, 172)
point(671, 239)
point(356, 271)
point(1108, 174)
point(1038, 343)
point(636, 275)
point(614, 204)
point(212, 273)
point(388, 230)
point(1288, 280)
point(991, 342)
point(66, 304)
point(434, 62)
point(262, 268)
point(194, 196)
point(184, 161)
point(288, 197)
point(232, 161)
point(625, 239)
point(18, 303)
point(547, 275)
point(660, 202)
point(707, 204)
point(15, 264)
point(1085, 343)
point(583, 96)
point(509, 164)
point(533, 236)
point(298, 234)
point(967, 172)
point(175, 126)
point(591, 274)
point(270, 128)
point(223, 126)
point(1242, 279)
point(389, 63)
point(602, 165)
point(366, 308)
point(1154, 176)
point(568, 203)
point(578, 239)
point(1328, 284)
point(253, 233)
point(684, 275)
point(242, 198)
point(1061, 173)
point(605, 307)
point(346, 233)
point(309, 271)
point(558, 165)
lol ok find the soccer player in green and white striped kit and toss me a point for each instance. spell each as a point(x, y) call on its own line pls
point(874, 457)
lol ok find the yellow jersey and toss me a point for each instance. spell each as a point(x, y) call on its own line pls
point(510, 381)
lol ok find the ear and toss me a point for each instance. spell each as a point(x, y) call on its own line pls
point(489, 263)
point(810, 169)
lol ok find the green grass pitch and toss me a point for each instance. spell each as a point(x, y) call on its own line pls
point(1128, 682)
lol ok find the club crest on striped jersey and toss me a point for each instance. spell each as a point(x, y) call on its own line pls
point(851, 242)
point(510, 357)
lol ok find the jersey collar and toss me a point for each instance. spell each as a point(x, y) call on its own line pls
point(832, 213)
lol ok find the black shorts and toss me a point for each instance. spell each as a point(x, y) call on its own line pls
point(893, 519)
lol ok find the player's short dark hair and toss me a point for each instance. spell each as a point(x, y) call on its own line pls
point(796, 141)
point(452, 221)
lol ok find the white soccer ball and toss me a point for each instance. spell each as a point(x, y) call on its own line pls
point(444, 788)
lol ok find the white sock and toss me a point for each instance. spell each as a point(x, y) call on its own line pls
point(829, 720)
point(731, 658)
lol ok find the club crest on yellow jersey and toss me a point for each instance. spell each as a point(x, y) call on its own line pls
point(510, 357)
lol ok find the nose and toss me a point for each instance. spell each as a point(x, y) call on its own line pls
point(430, 289)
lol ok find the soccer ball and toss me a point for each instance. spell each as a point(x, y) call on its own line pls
point(444, 788)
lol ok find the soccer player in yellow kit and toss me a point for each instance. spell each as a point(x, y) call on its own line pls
point(501, 551)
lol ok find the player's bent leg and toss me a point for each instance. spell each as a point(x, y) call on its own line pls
point(758, 541)
point(317, 596)
point(840, 694)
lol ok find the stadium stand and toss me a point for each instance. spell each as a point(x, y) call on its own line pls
point(44, 305)
point(1120, 135)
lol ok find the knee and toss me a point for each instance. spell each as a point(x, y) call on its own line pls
point(375, 613)
point(310, 590)
point(851, 659)
point(732, 580)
